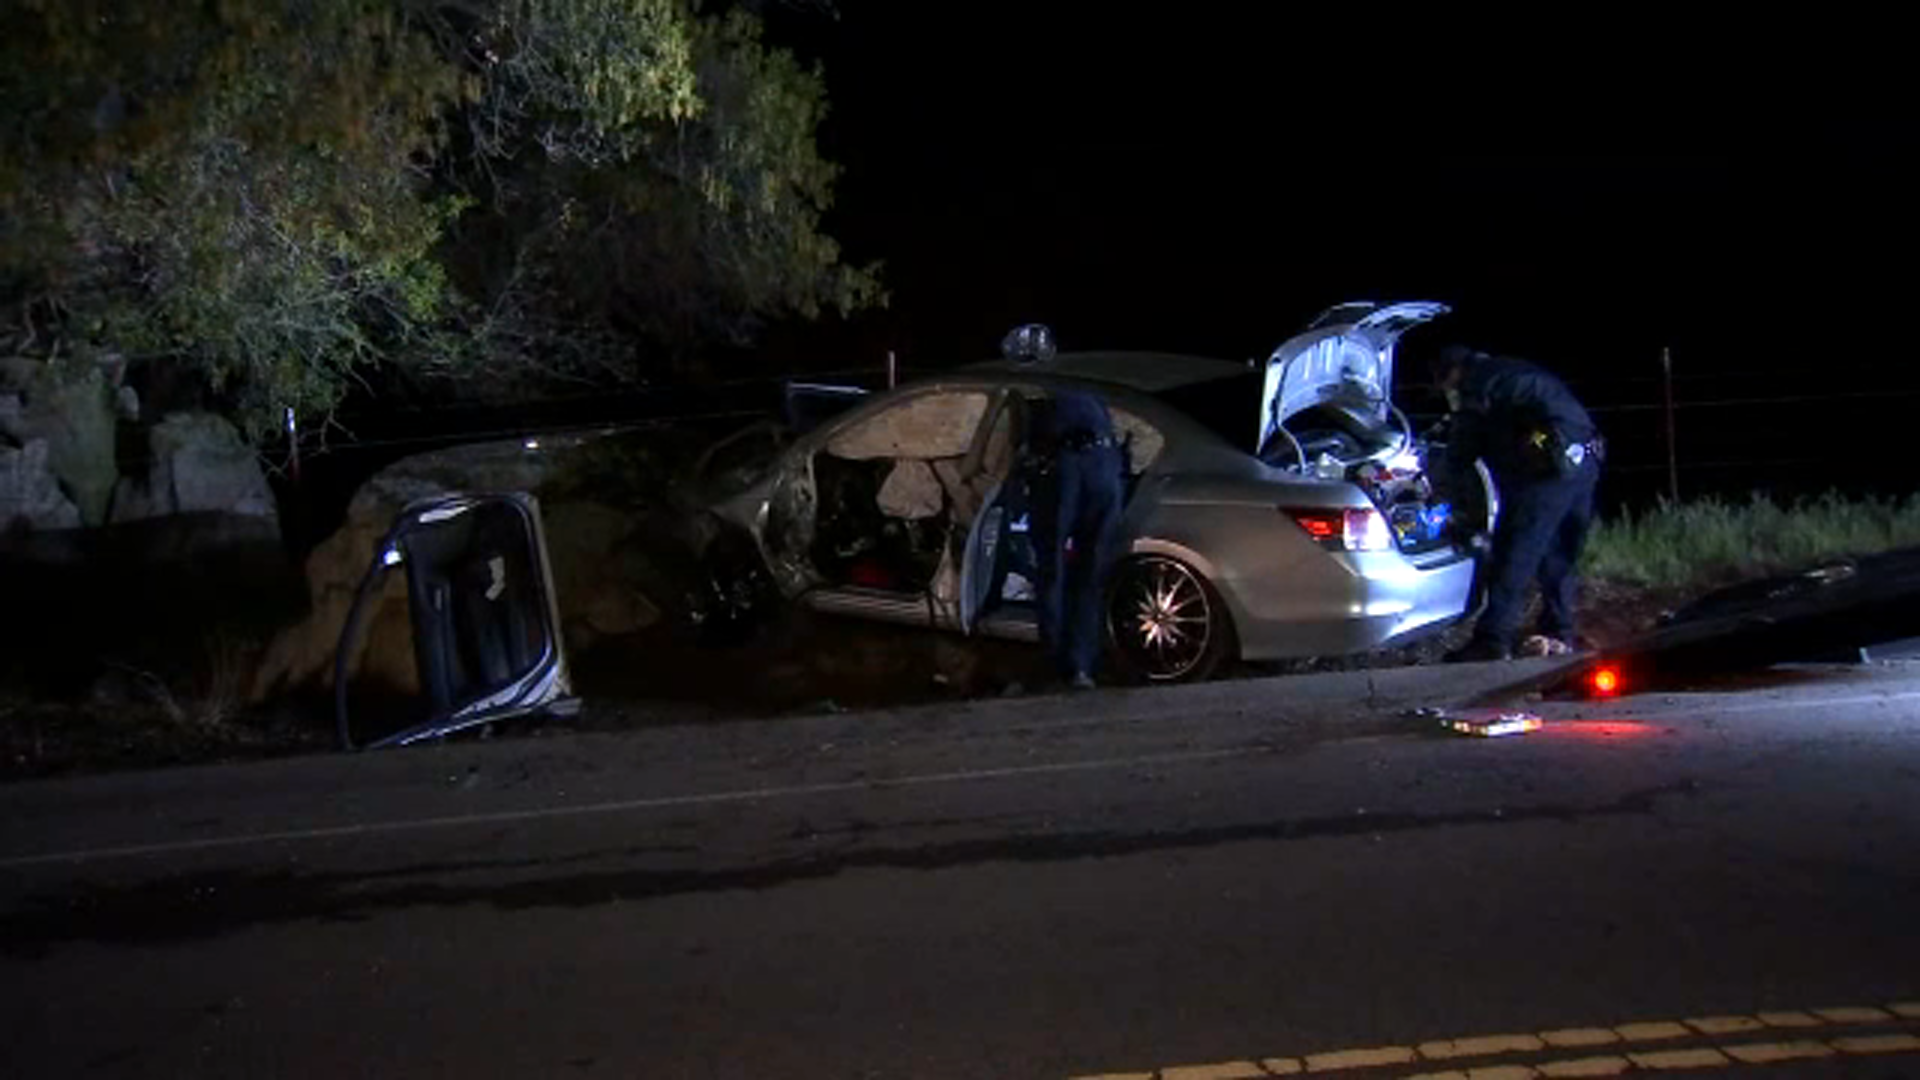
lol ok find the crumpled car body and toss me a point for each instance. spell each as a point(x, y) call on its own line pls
point(1316, 531)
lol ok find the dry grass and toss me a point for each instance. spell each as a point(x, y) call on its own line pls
point(132, 716)
point(210, 698)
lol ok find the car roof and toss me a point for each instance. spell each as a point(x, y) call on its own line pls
point(1147, 372)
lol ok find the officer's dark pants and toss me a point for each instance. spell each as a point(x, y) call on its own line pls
point(1542, 528)
point(1079, 500)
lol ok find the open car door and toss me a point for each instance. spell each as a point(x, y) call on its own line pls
point(985, 539)
point(486, 624)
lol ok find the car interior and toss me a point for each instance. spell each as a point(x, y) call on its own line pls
point(477, 610)
point(894, 490)
point(898, 493)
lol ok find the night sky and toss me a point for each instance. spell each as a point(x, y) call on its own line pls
point(1199, 183)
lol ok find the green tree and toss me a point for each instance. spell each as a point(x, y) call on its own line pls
point(281, 196)
point(233, 187)
point(614, 238)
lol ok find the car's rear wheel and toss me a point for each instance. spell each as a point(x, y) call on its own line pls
point(1165, 622)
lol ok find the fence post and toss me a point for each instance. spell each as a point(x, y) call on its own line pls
point(293, 520)
point(1673, 455)
point(293, 445)
point(892, 370)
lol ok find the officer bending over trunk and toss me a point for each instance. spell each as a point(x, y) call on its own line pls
point(1544, 452)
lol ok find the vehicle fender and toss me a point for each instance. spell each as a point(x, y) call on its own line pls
point(1147, 545)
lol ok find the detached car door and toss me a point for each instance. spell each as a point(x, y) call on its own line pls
point(485, 620)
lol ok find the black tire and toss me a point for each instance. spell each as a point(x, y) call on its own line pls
point(1166, 623)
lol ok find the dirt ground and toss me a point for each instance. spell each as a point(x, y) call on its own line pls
point(798, 663)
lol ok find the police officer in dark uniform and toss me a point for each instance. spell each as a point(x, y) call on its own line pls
point(1075, 477)
point(1544, 452)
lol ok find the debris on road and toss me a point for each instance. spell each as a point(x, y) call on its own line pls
point(1542, 645)
point(1503, 724)
point(1490, 725)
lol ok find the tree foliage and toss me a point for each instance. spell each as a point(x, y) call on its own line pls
point(278, 195)
point(705, 228)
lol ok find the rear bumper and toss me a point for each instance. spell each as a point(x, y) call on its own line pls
point(1354, 603)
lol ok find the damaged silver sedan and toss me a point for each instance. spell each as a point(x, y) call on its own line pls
point(1277, 511)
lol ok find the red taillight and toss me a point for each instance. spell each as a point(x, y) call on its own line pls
point(1352, 529)
point(1604, 681)
point(1322, 525)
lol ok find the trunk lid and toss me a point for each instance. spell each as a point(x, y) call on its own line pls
point(1344, 358)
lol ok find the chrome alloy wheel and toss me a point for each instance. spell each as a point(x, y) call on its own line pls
point(1161, 618)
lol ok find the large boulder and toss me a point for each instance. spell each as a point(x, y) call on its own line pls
point(71, 407)
point(602, 580)
point(302, 655)
point(196, 462)
point(30, 495)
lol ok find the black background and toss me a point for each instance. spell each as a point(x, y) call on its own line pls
point(1586, 191)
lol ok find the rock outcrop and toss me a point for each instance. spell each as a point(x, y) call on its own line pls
point(196, 462)
point(72, 412)
point(30, 495)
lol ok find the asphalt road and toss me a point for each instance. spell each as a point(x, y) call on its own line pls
point(1243, 879)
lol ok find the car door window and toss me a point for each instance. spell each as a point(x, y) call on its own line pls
point(1142, 440)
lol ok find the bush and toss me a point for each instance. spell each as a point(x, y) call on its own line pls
point(1711, 541)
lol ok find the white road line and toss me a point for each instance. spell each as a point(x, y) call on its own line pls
point(1801, 703)
point(504, 817)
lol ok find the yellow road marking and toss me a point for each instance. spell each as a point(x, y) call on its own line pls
point(1877, 1044)
point(1572, 1037)
point(1226, 1070)
point(1704, 1058)
point(1359, 1059)
point(1593, 1066)
point(1724, 1025)
point(1480, 1046)
point(1855, 1014)
point(1651, 1030)
point(1768, 1053)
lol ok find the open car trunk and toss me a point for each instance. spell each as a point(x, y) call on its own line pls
point(1327, 411)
